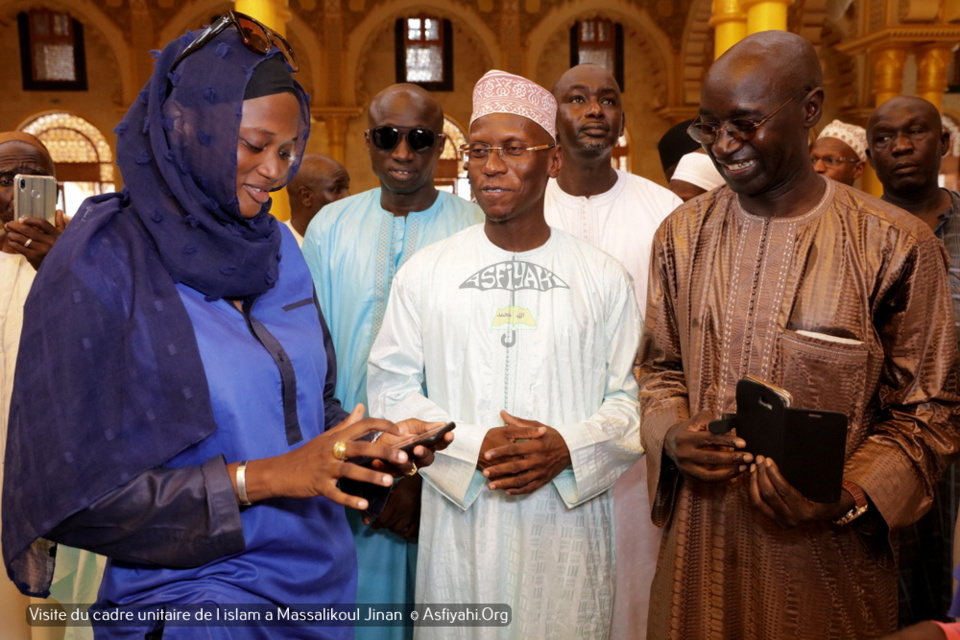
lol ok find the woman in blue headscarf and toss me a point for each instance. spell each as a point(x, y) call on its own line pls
point(173, 402)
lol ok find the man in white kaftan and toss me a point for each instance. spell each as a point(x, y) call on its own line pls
point(619, 213)
point(513, 322)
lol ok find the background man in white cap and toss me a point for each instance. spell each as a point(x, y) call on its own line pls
point(526, 337)
point(695, 174)
point(840, 152)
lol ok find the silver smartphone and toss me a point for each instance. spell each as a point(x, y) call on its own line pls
point(35, 197)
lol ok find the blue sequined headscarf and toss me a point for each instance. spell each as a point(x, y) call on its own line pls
point(109, 381)
point(178, 156)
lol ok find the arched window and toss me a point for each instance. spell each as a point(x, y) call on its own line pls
point(83, 157)
point(450, 175)
point(424, 52)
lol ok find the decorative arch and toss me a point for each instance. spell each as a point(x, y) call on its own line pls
point(563, 17)
point(360, 37)
point(80, 150)
point(87, 12)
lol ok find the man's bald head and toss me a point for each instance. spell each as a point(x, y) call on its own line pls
point(780, 60)
point(913, 104)
point(575, 74)
point(409, 97)
point(405, 168)
point(319, 181)
point(10, 140)
point(758, 102)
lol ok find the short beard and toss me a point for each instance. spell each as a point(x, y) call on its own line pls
point(598, 145)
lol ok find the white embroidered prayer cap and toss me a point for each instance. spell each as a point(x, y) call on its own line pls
point(854, 136)
point(502, 92)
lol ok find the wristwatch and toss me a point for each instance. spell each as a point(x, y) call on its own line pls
point(860, 504)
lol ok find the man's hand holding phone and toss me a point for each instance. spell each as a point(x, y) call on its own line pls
point(37, 221)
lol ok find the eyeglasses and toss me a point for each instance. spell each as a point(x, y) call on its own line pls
point(831, 161)
point(257, 37)
point(418, 138)
point(479, 151)
point(740, 129)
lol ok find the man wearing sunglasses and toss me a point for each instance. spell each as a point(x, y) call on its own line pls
point(353, 250)
point(816, 288)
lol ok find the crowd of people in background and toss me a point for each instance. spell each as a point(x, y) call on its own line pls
point(203, 405)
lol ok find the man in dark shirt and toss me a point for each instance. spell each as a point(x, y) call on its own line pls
point(905, 143)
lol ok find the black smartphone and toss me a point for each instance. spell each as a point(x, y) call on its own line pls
point(428, 439)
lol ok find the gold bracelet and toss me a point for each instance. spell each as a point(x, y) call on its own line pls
point(242, 484)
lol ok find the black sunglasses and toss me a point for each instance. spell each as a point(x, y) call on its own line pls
point(257, 37)
point(418, 138)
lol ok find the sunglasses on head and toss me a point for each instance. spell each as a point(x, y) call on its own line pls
point(257, 37)
point(418, 138)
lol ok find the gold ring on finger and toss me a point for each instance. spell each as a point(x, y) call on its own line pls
point(340, 450)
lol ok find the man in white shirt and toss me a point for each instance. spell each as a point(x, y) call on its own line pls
point(525, 336)
point(617, 212)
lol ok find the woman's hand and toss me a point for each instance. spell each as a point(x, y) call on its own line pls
point(314, 470)
point(422, 455)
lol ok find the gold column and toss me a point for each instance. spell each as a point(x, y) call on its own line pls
point(274, 14)
point(888, 72)
point(932, 62)
point(887, 83)
point(729, 24)
point(764, 15)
